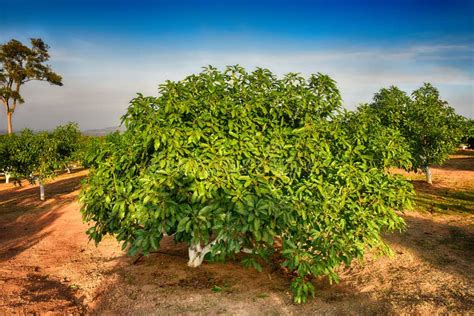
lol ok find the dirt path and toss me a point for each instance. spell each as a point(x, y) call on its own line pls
point(44, 253)
point(47, 265)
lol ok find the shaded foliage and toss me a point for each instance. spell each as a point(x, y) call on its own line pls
point(468, 135)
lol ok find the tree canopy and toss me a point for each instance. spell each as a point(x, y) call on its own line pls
point(229, 160)
point(20, 64)
point(37, 156)
point(431, 128)
point(67, 139)
point(29, 155)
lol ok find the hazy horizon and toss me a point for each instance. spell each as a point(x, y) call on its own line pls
point(107, 51)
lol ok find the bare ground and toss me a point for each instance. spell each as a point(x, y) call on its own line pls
point(47, 264)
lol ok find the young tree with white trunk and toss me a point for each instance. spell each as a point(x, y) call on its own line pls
point(37, 156)
point(5, 160)
point(431, 128)
point(32, 158)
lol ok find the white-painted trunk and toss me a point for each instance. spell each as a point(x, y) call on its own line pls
point(7, 177)
point(246, 250)
point(68, 170)
point(41, 185)
point(428, 175)
point(197, 253)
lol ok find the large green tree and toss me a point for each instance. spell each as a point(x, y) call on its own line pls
point(431, 128)
point(234, 161)
point(20, 64)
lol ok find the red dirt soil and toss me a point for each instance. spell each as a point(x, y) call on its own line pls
point(47, 266)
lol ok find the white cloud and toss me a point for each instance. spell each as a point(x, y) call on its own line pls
point(99, 81)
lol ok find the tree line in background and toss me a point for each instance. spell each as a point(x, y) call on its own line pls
point(36, 157)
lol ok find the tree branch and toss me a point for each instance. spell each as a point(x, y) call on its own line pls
point(5, 103)
point(17, 90)
point(33, 79)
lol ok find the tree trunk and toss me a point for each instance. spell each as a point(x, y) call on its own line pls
point(197, 254)
point(7, 177)
point(68, 170)
point(428, 175)
point(9, 122)
point(41, 185)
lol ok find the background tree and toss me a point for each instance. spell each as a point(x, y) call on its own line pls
point(468, 135)
point(5, 157)
point(234, 161)
point(385, 144)
point(37, 157)
point(32, 157)
point(18, 65)
point(67, 139)
point(95, 149)
point(14, 153)
point(431, 127)
point(390, 106)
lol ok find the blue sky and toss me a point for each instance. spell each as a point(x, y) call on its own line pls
point(109, 50)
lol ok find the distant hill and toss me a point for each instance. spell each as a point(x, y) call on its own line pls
point(103, 131)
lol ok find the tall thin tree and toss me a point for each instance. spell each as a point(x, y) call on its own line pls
point(18, 65)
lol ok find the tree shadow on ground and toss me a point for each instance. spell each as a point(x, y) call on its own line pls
point(43, 293)
point(28, 197)
point(458, 164)
point(24, 218)
point(436, 263)
point(18, 184)
point(435, 199)
point(465, 152)
point(163, 283)
point(446, 246)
